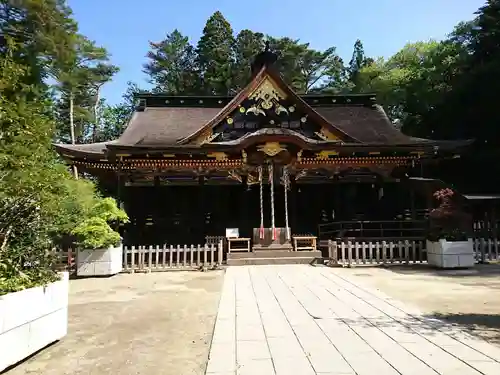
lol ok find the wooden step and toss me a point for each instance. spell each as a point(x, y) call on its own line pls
point(269, 254)
point(267, 261)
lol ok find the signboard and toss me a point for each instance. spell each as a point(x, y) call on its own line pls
point(232, 232)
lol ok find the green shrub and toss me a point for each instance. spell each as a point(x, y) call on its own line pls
point(107, 210)
point(95, 233)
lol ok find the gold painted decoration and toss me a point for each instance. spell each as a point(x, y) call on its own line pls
point(229, 120)
point(326, 154)
point(252, 179)
point(218, 155)
point(206, 137)
point(267, 93)
point(203, 137)
point(271, 148)
point(244, 156)
point(327, 135)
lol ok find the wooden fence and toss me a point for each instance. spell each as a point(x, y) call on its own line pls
point(348, 253)
point(340, 252)
point(65, 260)
point(486, 249)
point(163, 258)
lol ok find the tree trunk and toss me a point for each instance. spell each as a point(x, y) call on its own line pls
point(96, 115)
point(72, 129)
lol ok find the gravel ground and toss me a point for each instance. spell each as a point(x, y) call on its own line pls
point(467, 298)
point(156, 323)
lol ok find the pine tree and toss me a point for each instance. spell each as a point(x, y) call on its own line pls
point(215, 55)
point(358, 62)
point(246, 46)
point(172, 65)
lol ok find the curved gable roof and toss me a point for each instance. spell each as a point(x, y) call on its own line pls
point(267, 73)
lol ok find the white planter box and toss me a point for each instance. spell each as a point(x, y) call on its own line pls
point(31, 319)
point(99, 262)
point(450, 254)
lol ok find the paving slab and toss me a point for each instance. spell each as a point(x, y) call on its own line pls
point(305, 320)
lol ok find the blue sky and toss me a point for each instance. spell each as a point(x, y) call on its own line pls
point(125, 27)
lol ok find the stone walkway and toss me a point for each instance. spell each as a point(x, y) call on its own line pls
point(304, 320)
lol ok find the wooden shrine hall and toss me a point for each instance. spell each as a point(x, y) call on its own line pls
point(268, 165)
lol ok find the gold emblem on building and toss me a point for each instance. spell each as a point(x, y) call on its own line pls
point(271, 148)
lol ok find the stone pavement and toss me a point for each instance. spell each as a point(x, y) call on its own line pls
point(304, 320)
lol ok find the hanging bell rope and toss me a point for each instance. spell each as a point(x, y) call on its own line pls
point(261, 228)
point(286, 184)
point(271, 184)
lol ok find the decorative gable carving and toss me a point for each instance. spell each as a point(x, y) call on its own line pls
point(268, 106)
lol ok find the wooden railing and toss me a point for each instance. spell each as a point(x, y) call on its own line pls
point(393, 229)
point(486, 249)
point(347, 253)
point(65, 260)
point(357, 252)
point(162, 258)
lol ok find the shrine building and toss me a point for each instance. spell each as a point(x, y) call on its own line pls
point(266, 164)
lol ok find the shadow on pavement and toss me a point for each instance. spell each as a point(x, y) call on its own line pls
point(479, 270)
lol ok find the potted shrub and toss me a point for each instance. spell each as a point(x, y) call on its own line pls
point(449, 244)
point(99, 248)
point(33, 297)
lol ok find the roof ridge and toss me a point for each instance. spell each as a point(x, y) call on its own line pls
point(254, 83)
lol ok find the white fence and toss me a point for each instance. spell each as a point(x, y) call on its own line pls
point(163, 258)
point(348, 253)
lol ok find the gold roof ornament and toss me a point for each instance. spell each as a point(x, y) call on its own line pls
point(268, 94)
point(271, 148)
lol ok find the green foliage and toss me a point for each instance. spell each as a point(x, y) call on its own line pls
point(220, 63)
point(107, 210)
point(215, 55)
point(171, 66)
point(40, 201)
point(95, 233)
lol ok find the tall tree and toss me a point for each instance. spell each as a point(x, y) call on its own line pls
point(40, 201)
point(246, 46)
point(215, 55)
point(43, 31)
point(80, 78)
point(172, 65)
point(358, 62)
point(305, 69)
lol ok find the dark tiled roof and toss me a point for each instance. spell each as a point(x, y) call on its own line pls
point(366, 123)
point(164, 126)
point(92, 149)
